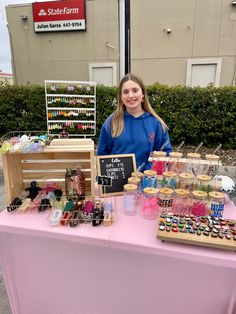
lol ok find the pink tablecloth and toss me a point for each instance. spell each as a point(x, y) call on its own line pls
point(110, 270)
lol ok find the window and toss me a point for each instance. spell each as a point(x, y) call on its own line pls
point(202, 72)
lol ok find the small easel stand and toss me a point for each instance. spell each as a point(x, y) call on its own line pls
point(109, 204)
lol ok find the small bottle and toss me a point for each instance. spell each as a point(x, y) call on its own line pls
point(169, 180)
point(159, 163)
point(181, 202)
point(165, 200)
point(203, 183)
point(130, 199)
point(216, 204)
point(186, 181)
point(150, 203)
point(149, 179)
point(199, 203)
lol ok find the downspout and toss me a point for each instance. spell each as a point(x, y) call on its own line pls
point(122, 37)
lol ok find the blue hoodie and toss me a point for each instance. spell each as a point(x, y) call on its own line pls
point(141, 135)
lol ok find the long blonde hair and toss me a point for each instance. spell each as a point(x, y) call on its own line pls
point(117, 124)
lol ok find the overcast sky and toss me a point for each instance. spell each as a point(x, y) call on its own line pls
point(5, 54)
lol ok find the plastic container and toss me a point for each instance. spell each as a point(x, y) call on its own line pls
point(199, 203)
point(165, 201)
point(150, 203)
point(130, 194)
point(169, 180)
point(181, 202)
point(216, 204)
point(203, 183)
point(186, 181)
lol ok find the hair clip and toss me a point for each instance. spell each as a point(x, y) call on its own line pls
point(75, 219)
point(33, 190)
point(14, 205)
point(58, 193)
point(55, 217)
point(45, 204)
point(25, 205)
point(65, 218)
point(53, 87)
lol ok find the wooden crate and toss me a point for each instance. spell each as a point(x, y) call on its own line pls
point(20, 169)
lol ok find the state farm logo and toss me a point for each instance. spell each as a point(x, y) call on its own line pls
point(65, 10)
point(42, 13)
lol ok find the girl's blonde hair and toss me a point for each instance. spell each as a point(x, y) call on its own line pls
point(117, 124)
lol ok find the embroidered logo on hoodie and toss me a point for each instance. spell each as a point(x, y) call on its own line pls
point(151, 136)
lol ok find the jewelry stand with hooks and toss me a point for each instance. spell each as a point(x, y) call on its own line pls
point(71, 108)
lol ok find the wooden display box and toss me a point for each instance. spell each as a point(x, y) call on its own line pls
point(20, 169)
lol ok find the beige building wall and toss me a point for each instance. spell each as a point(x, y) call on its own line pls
point(199, 29)
point(62, 55)
point(164, 36)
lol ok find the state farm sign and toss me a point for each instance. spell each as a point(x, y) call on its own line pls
point(63, 15)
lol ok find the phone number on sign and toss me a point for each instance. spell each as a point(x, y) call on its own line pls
point(72, 24)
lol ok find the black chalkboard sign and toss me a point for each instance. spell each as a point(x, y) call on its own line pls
point(117, 167)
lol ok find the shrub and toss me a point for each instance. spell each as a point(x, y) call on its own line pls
point(192, 114)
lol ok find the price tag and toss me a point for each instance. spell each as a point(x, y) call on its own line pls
point(104, 180)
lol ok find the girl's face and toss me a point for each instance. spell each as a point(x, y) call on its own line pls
point(132, 97)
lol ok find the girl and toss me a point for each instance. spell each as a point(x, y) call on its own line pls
point(134, 127)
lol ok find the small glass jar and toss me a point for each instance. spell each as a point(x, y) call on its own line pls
point(165, 201)
point(158, 164)
point(213, 167)
point(168, 180)
point(149, 179)
point(137, 174)
point(137, 182)
point(175, 162)
point(181, 202)
point(134, 180)
point(140, 176)
point(199, 203)
point(150, 203)
point(203, 183)
point(186, 181)
point(216, 204)
point(194, 163)
point(130, 199)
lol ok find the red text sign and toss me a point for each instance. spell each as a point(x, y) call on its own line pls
point(59, 15)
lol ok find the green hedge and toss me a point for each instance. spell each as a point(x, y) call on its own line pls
point(192, 114)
